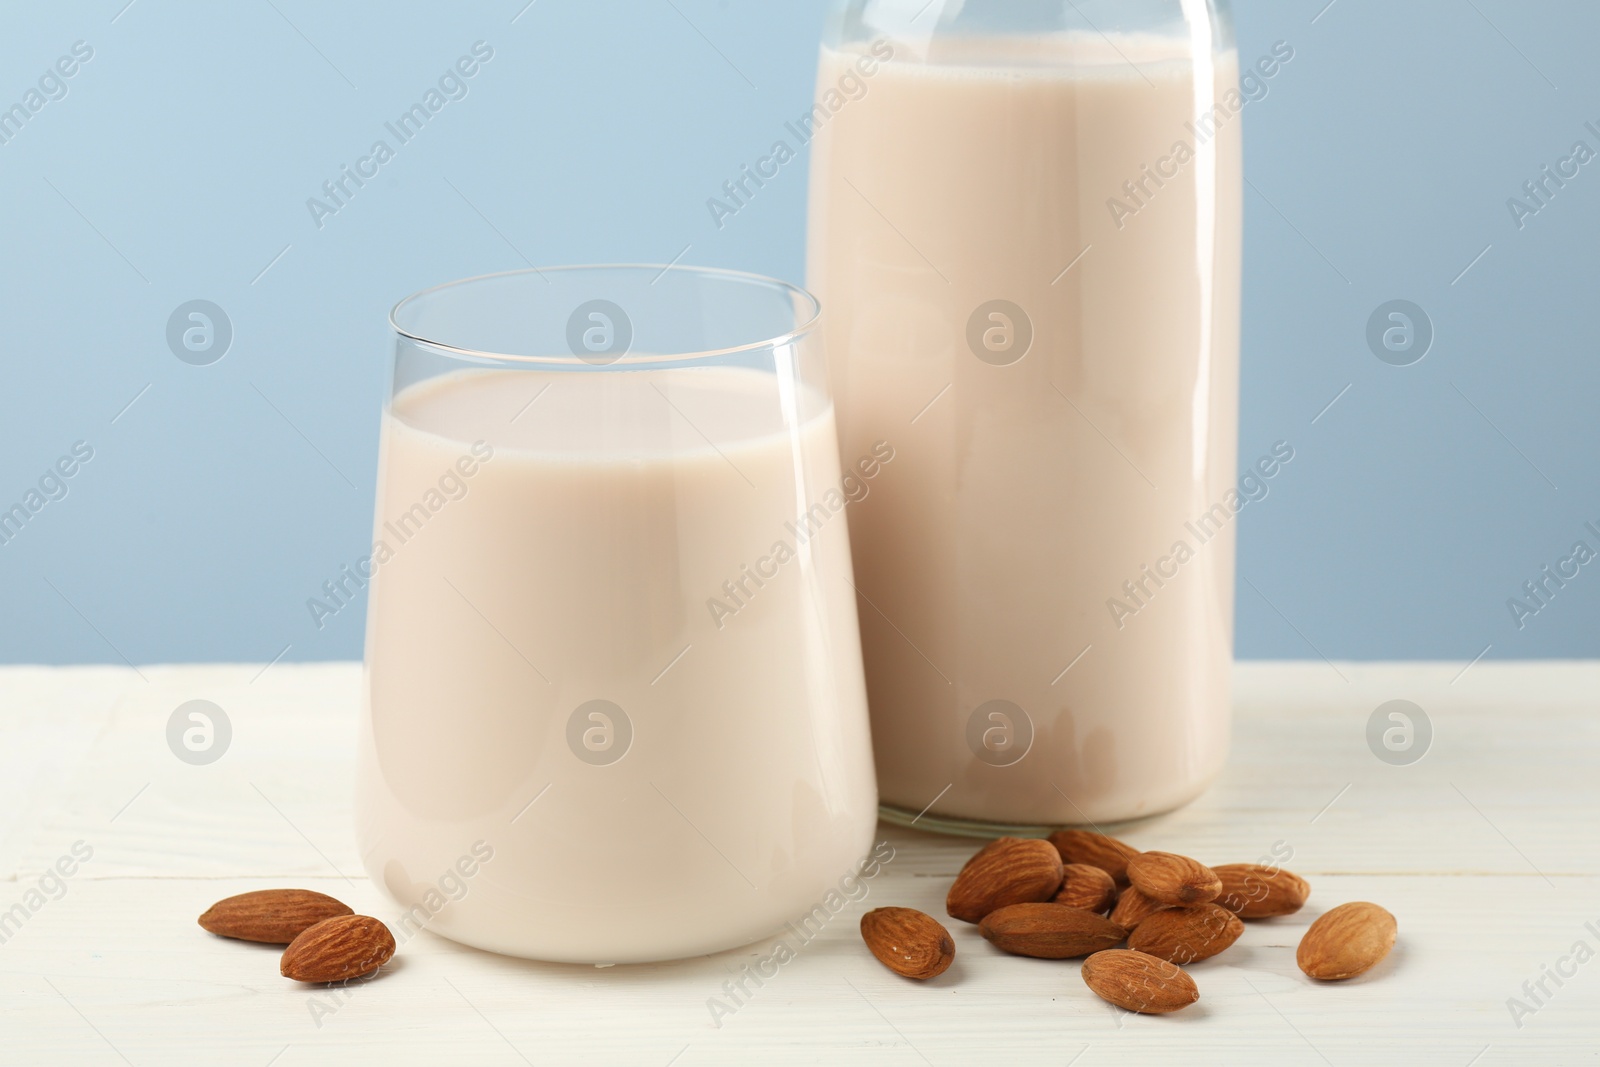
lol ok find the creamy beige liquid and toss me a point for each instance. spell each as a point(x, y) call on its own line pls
point(1025, 495)
point(576, 563)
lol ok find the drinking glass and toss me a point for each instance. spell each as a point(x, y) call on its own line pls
point(614, 705)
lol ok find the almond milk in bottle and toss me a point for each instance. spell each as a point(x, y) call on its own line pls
point(1025, 229)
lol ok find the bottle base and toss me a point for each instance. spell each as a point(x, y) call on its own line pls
point(959, 826)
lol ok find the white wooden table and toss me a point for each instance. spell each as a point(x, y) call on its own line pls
point(1487, 850)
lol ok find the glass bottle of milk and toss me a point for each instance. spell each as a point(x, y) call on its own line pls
point(1025, 228)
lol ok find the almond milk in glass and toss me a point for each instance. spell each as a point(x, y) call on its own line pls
point(614, 709)
point(1025, 228)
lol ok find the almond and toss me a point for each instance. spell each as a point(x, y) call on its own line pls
point(1347, 941)
point(1173, 879)
point(1139, 982)
point(908, 942)
point(1011, 870)
point(1049, 931)
point(1133, 908)
point(274, 916)
point(1090, 888)
point(1187, 934)
point(1254, 891)
point(338, 949)
point(1096, 850)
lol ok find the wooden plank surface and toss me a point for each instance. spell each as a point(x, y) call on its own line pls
point(1487, 850)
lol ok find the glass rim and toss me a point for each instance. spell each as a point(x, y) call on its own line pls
point(809, 315)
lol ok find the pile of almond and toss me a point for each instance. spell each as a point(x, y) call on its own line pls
point(327, 941)
point(1080, 894)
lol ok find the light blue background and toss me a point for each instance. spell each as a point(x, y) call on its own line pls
point(1380, 166)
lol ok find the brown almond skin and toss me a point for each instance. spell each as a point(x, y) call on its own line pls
point(338, 950)
point(1173, 879)
point(271, 916)
point(1090, 888)
point(1254, 891)
point(1012, 870)
point(1133, 908)
point(1187, 934)
point(908, 942)
point(1347, 941)
point(1096, 850)
point(1049, 931)
point(1139, 982)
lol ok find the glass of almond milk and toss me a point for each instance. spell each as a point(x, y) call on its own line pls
point(1025, 226)
point(614, 704)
